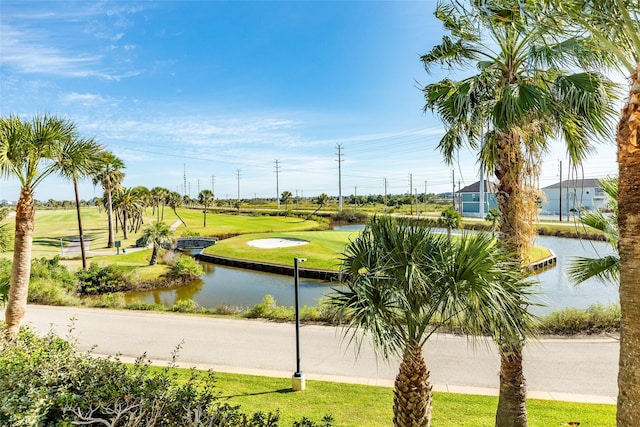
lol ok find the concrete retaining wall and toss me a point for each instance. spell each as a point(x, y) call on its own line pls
point(270, 268)
point(545, 263)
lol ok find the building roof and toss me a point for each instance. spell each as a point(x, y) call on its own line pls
point(576, 183)
point(489, 187)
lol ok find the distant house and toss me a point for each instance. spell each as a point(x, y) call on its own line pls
point(575, 195)
point(468, 198)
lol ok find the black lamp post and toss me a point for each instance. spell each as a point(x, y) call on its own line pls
point(298, 381)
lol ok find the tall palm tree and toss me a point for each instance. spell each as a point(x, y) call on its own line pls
point(404, 282)
point(321, 200)
point(449, 219)
point(110, 176)
point(158, 234)
point(128, 207)
point(519, 100)
point(205, 198)
point(29, 151)
point(143, 197)
point(285, 198)
point(159, 195)
point(615, 26)
point(606, 268)
point(174, 200)
point(78, 160)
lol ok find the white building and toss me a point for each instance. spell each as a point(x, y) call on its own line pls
point(575, 195)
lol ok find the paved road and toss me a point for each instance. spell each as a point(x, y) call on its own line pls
point(563, 369)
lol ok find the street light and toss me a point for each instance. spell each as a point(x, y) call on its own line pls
point(297, 381)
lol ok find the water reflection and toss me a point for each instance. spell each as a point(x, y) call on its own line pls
point(222, 285)
point(557, 291)
point(230, 286)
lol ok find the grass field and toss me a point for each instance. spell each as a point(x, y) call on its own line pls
point(322, 251)
point(56, 227)
point(354, 405)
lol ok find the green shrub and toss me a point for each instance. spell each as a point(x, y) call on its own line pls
point(189, 233)
point(51, 269)
point(100, 280)
point(185, 269)
point(110, 300)
point(145, 306)
point(263, 309)
point(51, 283)
point(6, 238)
point(45, 381)
point(5, 280)
point(592, 320)
point(269, 309)
point(351, 216)
point(185, 306)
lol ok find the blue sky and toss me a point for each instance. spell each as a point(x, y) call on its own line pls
point(226, 88)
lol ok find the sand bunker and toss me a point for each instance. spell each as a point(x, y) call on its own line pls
point(276, 243)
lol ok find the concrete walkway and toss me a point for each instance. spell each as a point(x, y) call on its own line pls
point(73, 247)
point(579, 370)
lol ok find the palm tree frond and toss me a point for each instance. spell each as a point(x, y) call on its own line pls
point(605, 269)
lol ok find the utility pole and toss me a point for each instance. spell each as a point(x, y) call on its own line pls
point(339, 177)
point(411, 194)
point(184, 187)
point(189, 193)
point(296, 199)
point(277, 169)
point(560, 191)
point(459, 198)
point(355, 196)
point(198, 185)
point(213, 184)
point(386, 185)
point(453, 192)
point(238, 173)
point(425, 196)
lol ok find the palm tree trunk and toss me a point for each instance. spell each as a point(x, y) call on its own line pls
point(175, 211)
point(412, 393)
point(515, 232)
point(512, 410)
point(205, 216)
point(21, 268)
point(628, 139)
point(83, 252)
point(154, 255)
point(515, 238)
point(111, 242)
point(125, 219)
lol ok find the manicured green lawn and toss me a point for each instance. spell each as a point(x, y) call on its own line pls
point(221, 224)
point(52, 226)
point(322, 252)
point(371, 406)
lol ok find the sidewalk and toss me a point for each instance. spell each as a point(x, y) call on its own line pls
point(577, 370)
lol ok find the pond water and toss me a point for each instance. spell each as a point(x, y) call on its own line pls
point(221, 285)
point(557, 291)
